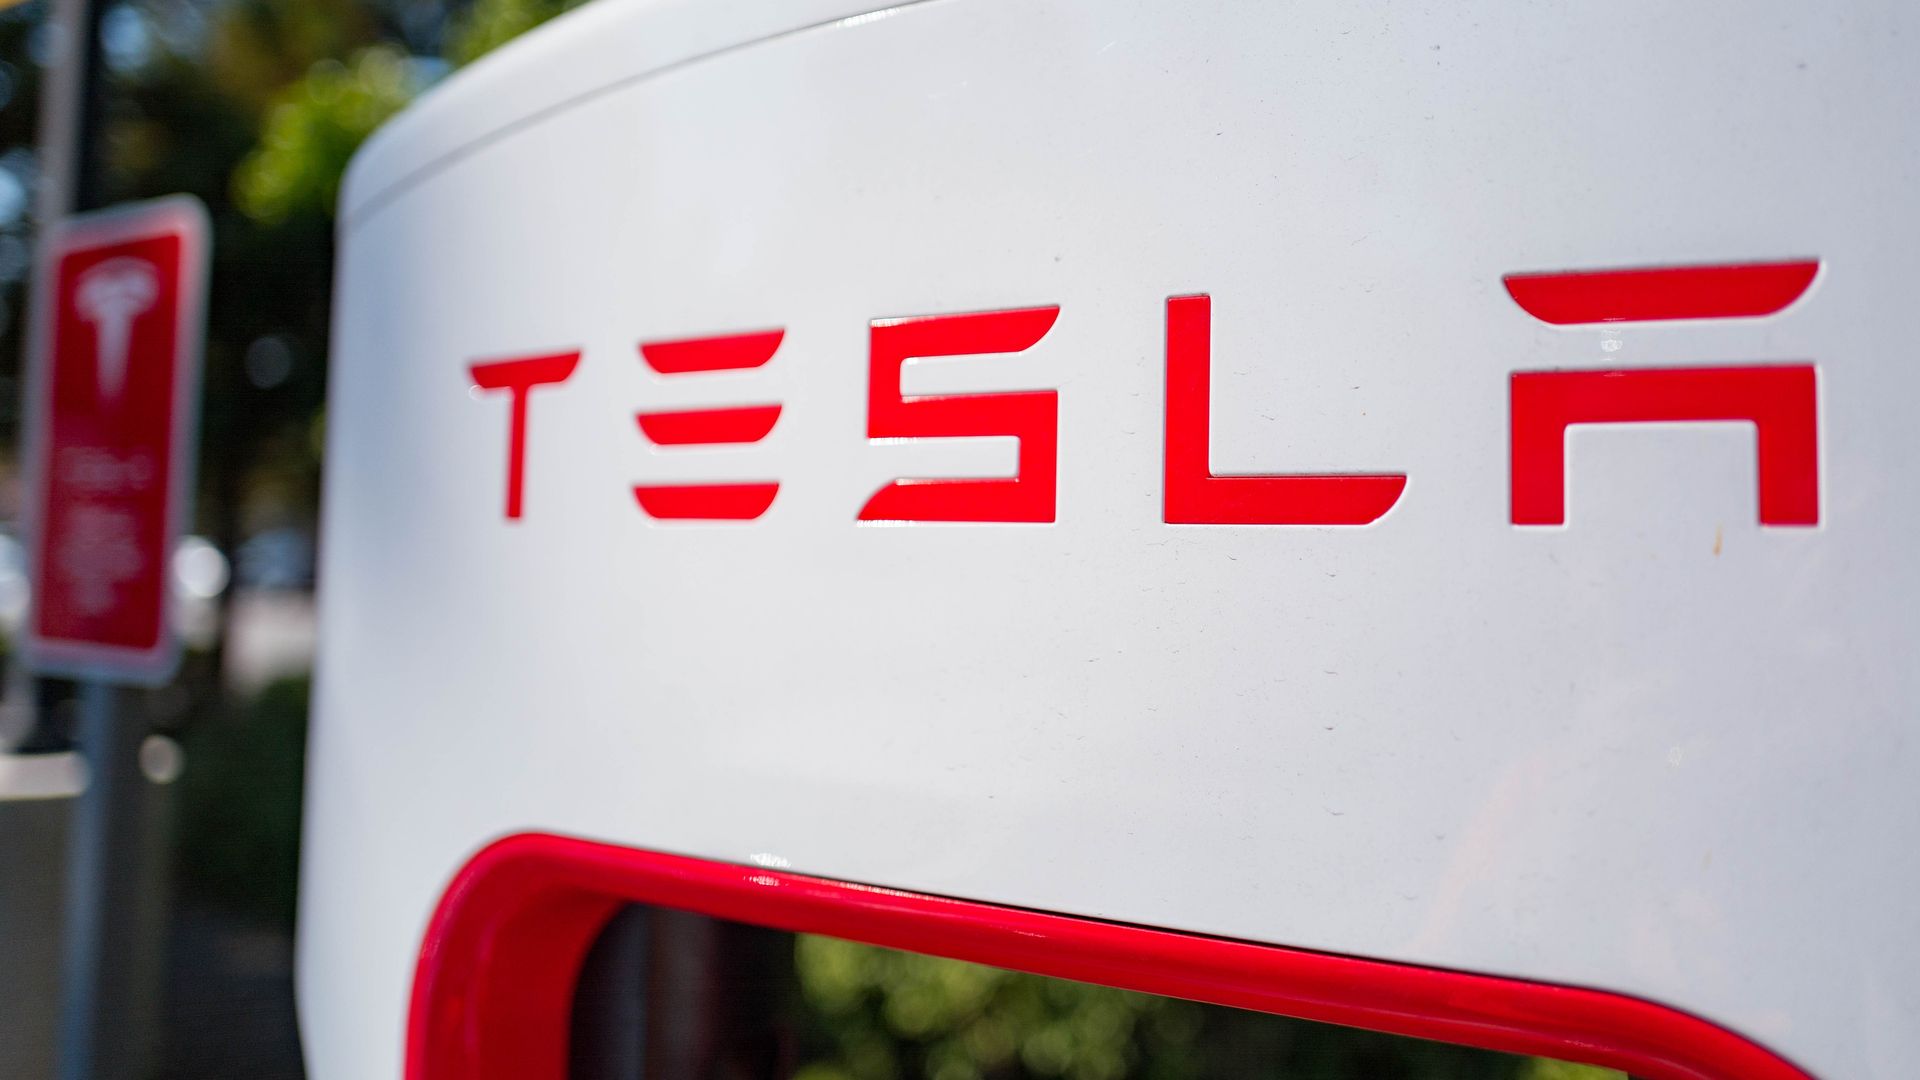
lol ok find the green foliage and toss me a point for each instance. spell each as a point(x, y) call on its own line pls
point(1548, 1069)
point(490, 24)
point(254, 49)
point(313, 126)
point(240, 801)
point(313, 129)
point(898, 1014)
point(876, 1014)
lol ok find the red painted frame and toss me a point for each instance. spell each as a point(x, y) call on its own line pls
point(493, 991)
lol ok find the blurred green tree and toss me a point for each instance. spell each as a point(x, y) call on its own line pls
point(877, 1014)
point(313, 129)
point(490, 24)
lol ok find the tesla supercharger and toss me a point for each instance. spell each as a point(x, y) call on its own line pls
point(1396, 515)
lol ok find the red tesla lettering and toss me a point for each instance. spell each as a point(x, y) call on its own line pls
point(732, 426)
point(1031, 416)
point(1653, 294)
point(1779, 401)
point(728, 352)
point(1195, 496)
point(709, 427)
point(706, 502)
point(518, 377)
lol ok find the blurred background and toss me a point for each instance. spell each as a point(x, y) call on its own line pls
point(256, 106)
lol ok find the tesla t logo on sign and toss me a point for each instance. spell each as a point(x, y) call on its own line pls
point(1779, 399)
point(116, 364)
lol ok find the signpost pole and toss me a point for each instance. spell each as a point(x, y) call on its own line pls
point(103, 839)
point(104, 857)
point(109, 919)
point(62, 156)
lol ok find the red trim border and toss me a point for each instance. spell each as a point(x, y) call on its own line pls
point(493, 991)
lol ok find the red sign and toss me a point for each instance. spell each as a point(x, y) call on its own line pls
point(110, 415)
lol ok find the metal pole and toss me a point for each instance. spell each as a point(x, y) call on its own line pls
point(103, 872)
point(104, 854)
point(67, 109)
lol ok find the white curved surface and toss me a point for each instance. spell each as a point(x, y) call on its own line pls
point(546, 71)
point(1662, 751)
